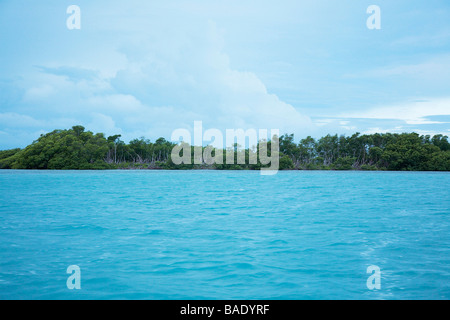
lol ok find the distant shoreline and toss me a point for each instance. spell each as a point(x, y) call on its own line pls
point(77, 149)
point(227, 170)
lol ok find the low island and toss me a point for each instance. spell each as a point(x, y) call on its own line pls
point(78, 149)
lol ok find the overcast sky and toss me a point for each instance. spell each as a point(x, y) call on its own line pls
point(146, 68)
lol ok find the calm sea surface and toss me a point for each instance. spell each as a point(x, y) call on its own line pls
point(224, 234)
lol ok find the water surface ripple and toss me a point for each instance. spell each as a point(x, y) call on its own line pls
point(224, 234)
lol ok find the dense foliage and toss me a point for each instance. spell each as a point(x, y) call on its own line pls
point(406, 151)
point(79, 149)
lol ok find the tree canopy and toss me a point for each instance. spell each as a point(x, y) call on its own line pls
point(77, 148)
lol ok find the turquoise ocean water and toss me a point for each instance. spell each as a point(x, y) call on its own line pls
point(224, 234)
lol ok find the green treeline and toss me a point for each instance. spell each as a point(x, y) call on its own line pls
point(79, 149)
point(387, 151)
